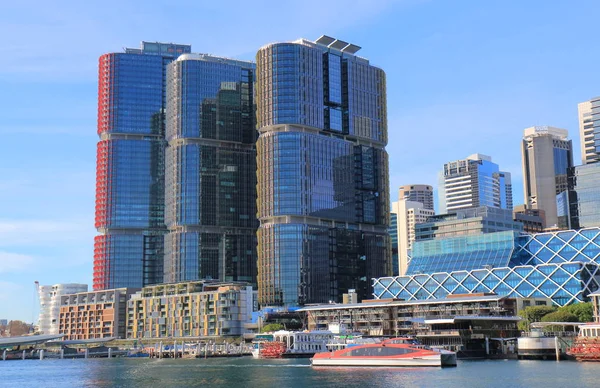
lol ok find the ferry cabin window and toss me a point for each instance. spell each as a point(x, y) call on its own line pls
point(377, 352)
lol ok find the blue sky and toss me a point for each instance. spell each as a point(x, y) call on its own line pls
point(463, 77)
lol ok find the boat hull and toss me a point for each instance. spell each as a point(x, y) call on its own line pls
point(432, 361)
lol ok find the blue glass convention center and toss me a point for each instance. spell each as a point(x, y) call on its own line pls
point(563, 266)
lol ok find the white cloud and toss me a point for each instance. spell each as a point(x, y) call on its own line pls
point(14, 262)
point(43, 232)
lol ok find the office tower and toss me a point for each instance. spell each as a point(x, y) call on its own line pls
point(463, 222)
point(130, 166)
point(473, 182)
point(533, 220)
point(547, 155)
point(323, 191)
point(589, 154)
point(393, 231)
point(417, 193)
point(584, 196)
point(49, 297)
point(210, 170)
point(409, 214)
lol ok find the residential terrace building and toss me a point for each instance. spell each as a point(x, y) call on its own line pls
point(190, 309)
point(97, 314)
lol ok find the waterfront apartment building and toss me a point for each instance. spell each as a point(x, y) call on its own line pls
point(96, 314)
point(584, 196)
point(190, 309)
point(417, 193)
point(210, 177)
point(49, 297)
point(589, 154)
point(547, 156)
point(323, 190)
point(130, 191)
point(563, 266)
point(473, 182)
point(409, 214)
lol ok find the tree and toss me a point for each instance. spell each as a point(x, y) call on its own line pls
point(533, 314)
point(560, 316)
point(583, 311)
point(272, 327)
point(18, 328)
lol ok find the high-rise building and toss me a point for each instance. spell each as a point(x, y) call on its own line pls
point(473, 182)
point(130, 168)
point(417, 193)
point(533, 220)
point(589, 154)
point(210, 170)
point(409, 214)
point(323, 191)
point(547, 155)
point(393, 231)
point(49, 297)
point(584, 196)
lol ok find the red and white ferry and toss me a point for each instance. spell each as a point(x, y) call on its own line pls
point(392, 352)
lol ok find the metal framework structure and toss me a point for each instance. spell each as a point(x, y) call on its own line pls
point(562, 266)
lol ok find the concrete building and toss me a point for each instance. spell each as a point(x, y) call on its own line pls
point(409, 214)
point(473, 182)
point(586, 132)
point(49, 297)
point(96, 314)
point(417, 193)
point(533, 220)
point(190, 309)
point(547, 156)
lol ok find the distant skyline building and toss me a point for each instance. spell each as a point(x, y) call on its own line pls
point(323, 189)
point(533, 220)
point(584, 196)
point(589, 153)
point(473, 182)
point(210, 172)
point(417, 193)
point(409, 214)
point(130, 191)
point(49, 297)
point(547, 155)
point(393, 231)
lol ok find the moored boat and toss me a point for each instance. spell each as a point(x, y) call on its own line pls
point(393, 352)
point(586, 346)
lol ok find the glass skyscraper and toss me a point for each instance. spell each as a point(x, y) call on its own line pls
point(130, 166)
point(210, 170)
point(473, 182)
point(323, 191)
point(584, 196)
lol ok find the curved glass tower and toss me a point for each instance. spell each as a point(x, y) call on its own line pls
point(210, 170)
point(130, 166)
point(323, 192)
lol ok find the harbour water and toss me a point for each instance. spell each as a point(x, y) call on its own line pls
point(248, 372)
